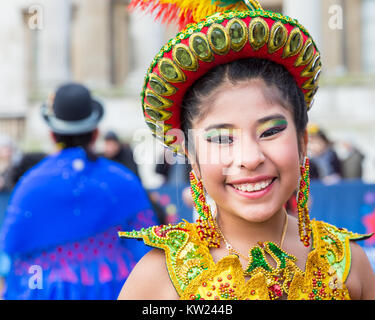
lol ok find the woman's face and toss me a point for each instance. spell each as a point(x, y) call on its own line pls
point(247, 152)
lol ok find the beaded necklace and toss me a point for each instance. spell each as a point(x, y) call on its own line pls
point(230, 248)
point(279, 278)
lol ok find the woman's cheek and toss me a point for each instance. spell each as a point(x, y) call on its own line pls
point(213, 179)
point(287, 161)
point(285, 150)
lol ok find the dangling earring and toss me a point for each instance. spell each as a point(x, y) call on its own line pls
point(304, 226)
point(205, 223)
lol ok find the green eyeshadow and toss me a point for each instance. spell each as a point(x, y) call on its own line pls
point(274, 123)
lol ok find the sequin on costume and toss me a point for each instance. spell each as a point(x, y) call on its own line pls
point(196, 276)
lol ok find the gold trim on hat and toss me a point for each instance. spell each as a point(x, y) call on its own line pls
point(193, 46)
point(157, 101)
point(226, 45)
point(306, 54)
point(157, 114)
point(257, 41)
point(178, 75)
point(161, 87)
point(193, 60)
point(291, 49)
point(312, 67)
point(239, 45)
point(278, 37)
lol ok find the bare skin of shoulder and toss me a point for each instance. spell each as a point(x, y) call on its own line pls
point(361, 279)
point(149, 280)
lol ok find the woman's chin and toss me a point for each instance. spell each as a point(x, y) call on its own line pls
point(257, 216)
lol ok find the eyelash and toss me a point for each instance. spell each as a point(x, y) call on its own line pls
point(218, 139)
point(229, 139)
point(272, 131)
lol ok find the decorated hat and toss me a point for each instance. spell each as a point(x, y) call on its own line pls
point(72, 110)
point(217, 33)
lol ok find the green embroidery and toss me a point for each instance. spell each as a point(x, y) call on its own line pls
point(185, 258)
point(336, 242)
point(258, 258)
point(279, 255)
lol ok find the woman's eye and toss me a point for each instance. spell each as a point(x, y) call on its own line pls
point(220, 139)
point(272, 131)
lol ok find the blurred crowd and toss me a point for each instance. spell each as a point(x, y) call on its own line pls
point(332, 161)
point(66, 207)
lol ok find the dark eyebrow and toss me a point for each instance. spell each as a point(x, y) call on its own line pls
point(219, 126)
point(271, 117)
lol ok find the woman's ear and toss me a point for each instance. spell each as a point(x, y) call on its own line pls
point(196, 171)
point(193, 161)
point(304, 140)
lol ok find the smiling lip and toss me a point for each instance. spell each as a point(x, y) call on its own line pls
point(251, 180)
point(253, 194)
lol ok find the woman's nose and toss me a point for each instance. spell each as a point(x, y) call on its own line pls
point(250, 154)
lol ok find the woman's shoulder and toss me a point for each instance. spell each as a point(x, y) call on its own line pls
point(345, 256)
point(149, 280)
point(185, 255)
point(361, 280)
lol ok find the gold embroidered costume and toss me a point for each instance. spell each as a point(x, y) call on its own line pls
point(196, 276)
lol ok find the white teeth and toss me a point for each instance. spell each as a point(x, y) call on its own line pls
point(251, 187)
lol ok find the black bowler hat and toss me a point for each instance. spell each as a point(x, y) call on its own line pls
point(72, 110)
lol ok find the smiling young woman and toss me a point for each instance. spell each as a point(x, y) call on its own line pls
point(241, 100)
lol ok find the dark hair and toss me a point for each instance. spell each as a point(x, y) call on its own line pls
point(324, 137)
point(273, 74)
point(81, 140)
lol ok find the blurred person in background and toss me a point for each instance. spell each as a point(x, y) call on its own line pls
point(14, 163)
point(9, 156)
point(173, 168)
point(60, 228)
point(27, 161)
point(120, 152)
point(327, 165)
point(175, 171)
point(351, 160)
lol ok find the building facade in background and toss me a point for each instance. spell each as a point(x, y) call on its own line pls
point(101, 44)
